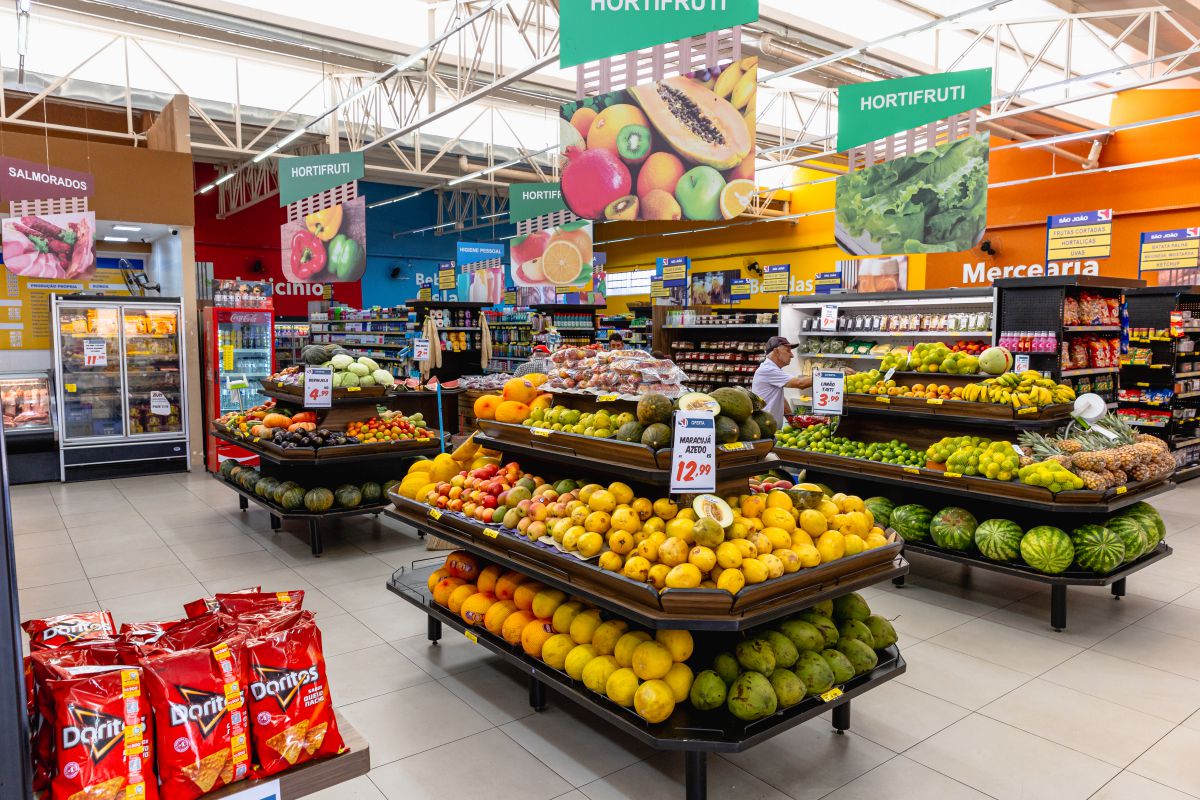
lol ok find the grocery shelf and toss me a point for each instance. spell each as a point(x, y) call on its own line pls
point(1185, 442)
point(1091, 328)
point(956, 411)
point(842, 355)
point(1185, 395)
point(686, 729)
point(344, 453)
point(1058, 583)
point(901, 334)
point(740, 325)
point(1072, 373)
point(1187, 473)
point(1194, 374)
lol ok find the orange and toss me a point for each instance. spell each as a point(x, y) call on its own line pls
point(459, 596)
point(507, 585)
point(514, 625)
point(488, 577)
point(436, 576)
point(441, 592)
point(463, 565)
point(562, 262)
point(499, 611)
point(583, 118)
point(521, 390)
point(602, 133)
point(485, 406)
point(512, 411)
point(525, 593)
point(534, 635)
point(736, 197)
point(475, 607)
point(660, 171)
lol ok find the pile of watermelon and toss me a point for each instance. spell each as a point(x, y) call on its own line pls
point(1099, 548)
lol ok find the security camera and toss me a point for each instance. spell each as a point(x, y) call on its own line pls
point(174, 231)
point(987, 247)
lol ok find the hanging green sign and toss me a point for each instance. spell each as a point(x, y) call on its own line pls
point(529, 200)
point(304, 176)
point(590, 30)
point(870, 111)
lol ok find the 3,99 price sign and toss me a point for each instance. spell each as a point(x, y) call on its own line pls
point(694, 452)
point(318, 387)
point(828, 392)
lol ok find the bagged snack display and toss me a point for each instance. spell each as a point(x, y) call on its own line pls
point(68, 629)
point(289, 701)
point(203, 605)
point(237, 603)
point(632, 372)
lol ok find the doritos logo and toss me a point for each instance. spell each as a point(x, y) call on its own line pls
point(203, 708)
point(72, 631)
point(281, 684)
point(96, 732)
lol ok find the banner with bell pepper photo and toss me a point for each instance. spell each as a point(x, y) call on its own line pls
point(678, 149)
point(327, 246)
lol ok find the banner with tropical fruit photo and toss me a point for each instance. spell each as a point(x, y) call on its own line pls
point(678, 149)
point(557, 258)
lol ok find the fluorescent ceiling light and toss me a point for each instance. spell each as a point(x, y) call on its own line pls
point(116, 238)
point(282, 143)
point(126, 228)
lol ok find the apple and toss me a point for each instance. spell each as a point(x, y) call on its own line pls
point(442, 501)
point(488, 501)
point(486, 514)
point(455, 505)
point(502, 498)
point(538, 512)
point(455, 492)
point(468, 508)
point(527, 248)
point(524, 505)
point(699, 193)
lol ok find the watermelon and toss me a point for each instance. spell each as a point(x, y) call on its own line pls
point(1147, 511)
point(953, 528)
point(292, 499)
point(1133, 535)
point(1047, 549)
point(912, 521)
point(347, 495)
point(1097, 548)
point(999, 539)
point(371, 492)
point(881, 508)
point(318, 499)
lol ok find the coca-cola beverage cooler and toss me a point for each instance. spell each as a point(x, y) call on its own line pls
point(30, 435)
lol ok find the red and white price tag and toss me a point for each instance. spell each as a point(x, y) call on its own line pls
point(318, 387)
point(95, 353)
point(694, 452)
point(159, 404)
point(829, 315)
point(420, 349)
point(1020, 362)
point(828, 392)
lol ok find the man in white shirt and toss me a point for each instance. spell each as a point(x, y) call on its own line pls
point(770, 380)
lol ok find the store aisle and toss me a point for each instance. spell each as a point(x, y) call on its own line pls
point(994, 703)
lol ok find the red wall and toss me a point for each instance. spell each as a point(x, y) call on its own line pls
point(233, 245)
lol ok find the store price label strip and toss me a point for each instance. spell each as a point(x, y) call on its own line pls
point(267, 790)
point(318, 387)
point(694, 452)
point(421, 349)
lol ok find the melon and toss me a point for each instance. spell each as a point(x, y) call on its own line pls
point(698, 401)
point(881, 509)
point(371, 492)
point(1047, 549)
point(293, 498)
point(734, 403)
point(953, 528)
point(1097, 548)
point(630, 432)
point(227, 467)
point(912, 521)
point(318, 500)
point(767, 426)
point(347, 495)
point(1133, 535)
point(999, 539)
point(709, 506)
point(282, 488)
point(727, 430)
point(654, 407)
point(995, 360)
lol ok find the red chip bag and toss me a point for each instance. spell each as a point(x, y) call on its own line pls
point(200, 719)
point(290, 702)
point(260, 602)
point(204, 605)
point(101, 725)
point(202, 631)
point(140, 634)
point(68, 629)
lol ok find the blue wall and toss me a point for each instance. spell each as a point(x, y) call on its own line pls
point(417, 255)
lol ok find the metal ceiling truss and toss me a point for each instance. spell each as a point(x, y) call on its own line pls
point(253, 184)
point(461, 210)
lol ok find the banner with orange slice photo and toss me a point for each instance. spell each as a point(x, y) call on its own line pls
point(678, 149)
point(559, 258)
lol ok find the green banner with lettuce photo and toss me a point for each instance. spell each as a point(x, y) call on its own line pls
point(930, 202)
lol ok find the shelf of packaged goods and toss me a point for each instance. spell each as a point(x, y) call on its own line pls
point(1058, 583)
point(1139, 424)
point(1074, 373)
point(360, 345)
point(1177, 443)
point(1072, 502)
point(840, 356)
point(1091, 328)
point(901, 334)
point(991, 414)
point(1193, 374)
point(735, 326)
point(641, 603)
point(331, 455)
point(687, 730)
point(1187, 395)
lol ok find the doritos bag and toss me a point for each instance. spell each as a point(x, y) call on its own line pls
point(260, 602)
point(204, 605)
point(138, 634)
point(290, 702)
point(203, 631)
point(104, 744)
point(200, 719)
point(68, 629)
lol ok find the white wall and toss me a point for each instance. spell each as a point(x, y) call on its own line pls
point(165, 266)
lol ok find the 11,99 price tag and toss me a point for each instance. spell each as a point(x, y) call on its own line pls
point(318, 387)
point(694, 452)
point(95, 353)
point(828, 391)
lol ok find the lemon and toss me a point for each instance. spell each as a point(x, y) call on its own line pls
point(621, 686)
point(657, 576)
point(637, 568)
point(597, 672)
point(654, 701)
point(583, 627)
point(651, 660)
point(728, 555)
point(813, 522)
point(754, 570)
point(577, 659)
point(808, 554)
point(679, 678)
point(683, 576)
point(606, 636)
point(622, 492)
point(665, 508)
point(731, 580)
point(831, 546)
point(853, 544)
point(556, 649)
point(590, 544)
point(678, 642)
point(620, 542)
point(773, 564)
point(611, 561)
point(778, 537)
point(628, 642)
point(703, 558)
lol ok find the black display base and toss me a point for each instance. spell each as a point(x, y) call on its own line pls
point(32, 467)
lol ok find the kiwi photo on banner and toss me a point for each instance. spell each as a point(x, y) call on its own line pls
point(557, 258)
point(934, 201)
point(326, 246)
point(712, 288)
point(678, 149)
point(886, 274)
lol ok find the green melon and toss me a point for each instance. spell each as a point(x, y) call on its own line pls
point(999, 539)
point(654, 407)
point(347, 495)
point(630, 432)
point(734, 403)
point(881, 509)
point(265, 488)
point(293, 498)
point(727, 429)
point(227, 467)
point(371, 492)
point(318, 500)
point(912, 521)
point(767, 426)
point(1047, 549)
point(282, 488)
point(953, 528)
point(1097, 548)
point(1133, 535)
point(657, 435)
point(748, 431)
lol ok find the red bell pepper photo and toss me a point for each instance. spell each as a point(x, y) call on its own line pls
point(308, 255)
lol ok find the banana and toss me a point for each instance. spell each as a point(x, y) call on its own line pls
point(745, 89)
point(749, 63)
point(727, 81)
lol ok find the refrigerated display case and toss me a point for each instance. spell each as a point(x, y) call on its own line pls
point(290, 339)
point(120, 384)
point(239, 350)
point(27, 400)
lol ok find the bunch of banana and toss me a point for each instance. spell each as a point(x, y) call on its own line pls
point(738, 83)
point(1020, 390)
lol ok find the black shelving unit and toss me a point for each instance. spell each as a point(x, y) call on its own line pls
point(455, 363)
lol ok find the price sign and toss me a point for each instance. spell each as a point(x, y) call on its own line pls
point(694, 452)
point(829, 315)
point(1021, 362)
point(318, 387)
point(159, 404)
point(888, 375)
point(829, 388)
point(608, 398)
point(268, 790)
point(95, 354)
point(227, 357)
point(421, 349)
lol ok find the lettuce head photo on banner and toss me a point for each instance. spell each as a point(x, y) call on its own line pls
point(931, 202)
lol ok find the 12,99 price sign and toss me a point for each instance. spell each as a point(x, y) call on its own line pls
point(828, 392)
point(694, 452)
point(318, 387)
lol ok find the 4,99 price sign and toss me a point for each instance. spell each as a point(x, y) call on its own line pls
point(694, 452)
point(318, 387)
point(828, 392)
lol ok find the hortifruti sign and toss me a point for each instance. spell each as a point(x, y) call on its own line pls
point(870, 111)
point(304, 176)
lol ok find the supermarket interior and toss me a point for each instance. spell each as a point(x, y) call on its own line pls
point(600, 399)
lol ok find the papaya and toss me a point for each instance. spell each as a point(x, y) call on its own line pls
point(695, 121)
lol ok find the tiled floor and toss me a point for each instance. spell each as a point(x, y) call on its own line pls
point(994, 703)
